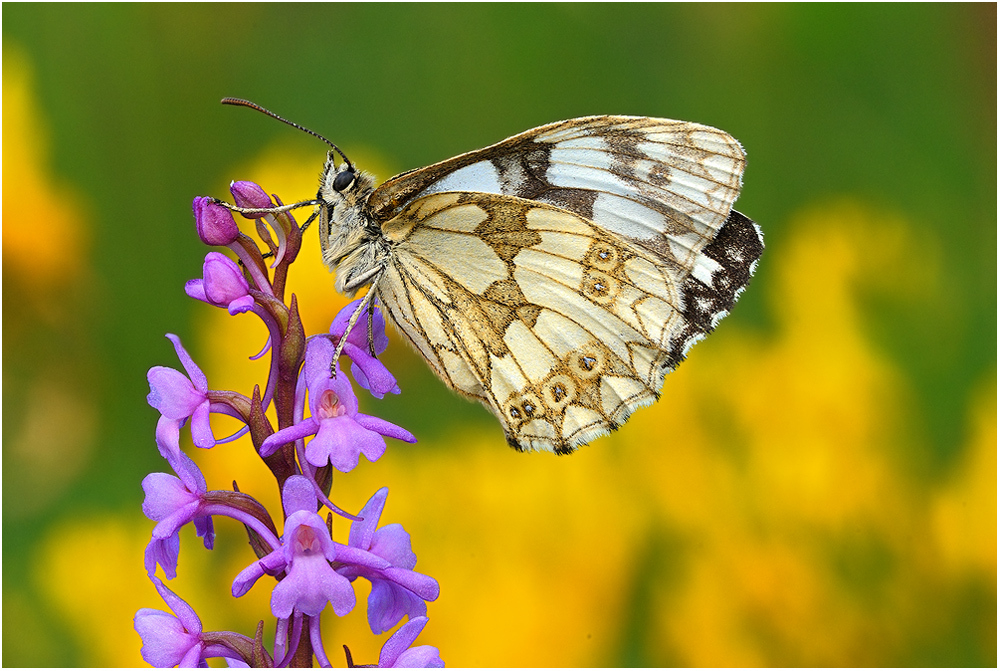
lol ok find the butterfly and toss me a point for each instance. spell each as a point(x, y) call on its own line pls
point(556, 276)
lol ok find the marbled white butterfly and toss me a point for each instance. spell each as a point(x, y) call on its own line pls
point(556, 276)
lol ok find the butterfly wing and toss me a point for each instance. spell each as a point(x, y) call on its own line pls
point(558, 326)
point(666, 185)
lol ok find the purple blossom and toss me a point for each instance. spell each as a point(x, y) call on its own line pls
point(305, 555)
point(396, 653)
point(341, 433)
point(165, 551)
point(222, 285)
point(178, 639)
point(179, 397)
point(170, 640)
point(173, 502)
point(397, 589)
point(366, 369)
point(217, 227)
point(250, 195)
point(215, 223)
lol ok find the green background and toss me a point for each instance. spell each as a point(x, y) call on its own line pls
point(893, 106)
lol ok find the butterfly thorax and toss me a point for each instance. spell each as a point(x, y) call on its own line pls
point(350, 239)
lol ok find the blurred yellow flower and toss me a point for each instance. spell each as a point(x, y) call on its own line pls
point(44, 237)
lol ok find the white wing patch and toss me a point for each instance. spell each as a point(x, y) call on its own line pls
point(629, 218)
point(482, 176)
point(704, 268)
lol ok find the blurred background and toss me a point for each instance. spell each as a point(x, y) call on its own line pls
point(817, 484)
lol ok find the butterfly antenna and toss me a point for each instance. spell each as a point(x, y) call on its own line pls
point(240, 102)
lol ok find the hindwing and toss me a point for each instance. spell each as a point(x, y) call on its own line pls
point(558, 326)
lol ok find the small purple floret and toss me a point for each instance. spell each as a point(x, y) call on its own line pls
point(173, 502)
point(250, 195)
point(341, 433)
point(178, 397)
point(215, 223)
point(397, 589)
point(222, 284)
point(170, 640)
point(305, 555)
point(366, 369)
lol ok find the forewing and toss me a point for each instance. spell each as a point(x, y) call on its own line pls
point(665, 185)
point(561, 328)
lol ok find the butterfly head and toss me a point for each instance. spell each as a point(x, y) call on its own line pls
point(344, 184)
point(350, 240)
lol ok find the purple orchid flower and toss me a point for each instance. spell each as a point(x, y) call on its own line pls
point(216, 226)
point(222, 285)
point(170, 640)
point(366, 369)
point(250, 195)
point(313, 569)
point(305, 554)
point(172, 502)
point(178, 639)
point(397, 589)
point(215, 223)
point(341, 433)
point(179, 397)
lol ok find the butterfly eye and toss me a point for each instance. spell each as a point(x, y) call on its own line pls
point(343, 180)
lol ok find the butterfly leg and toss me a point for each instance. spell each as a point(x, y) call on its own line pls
point(264, 210)
point(356, 283)
point(271, 210)
point(350, 325)
point(312, 217)
point(371, 329)
point(302, 229)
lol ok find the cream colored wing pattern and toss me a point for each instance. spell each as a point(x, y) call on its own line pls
point(557, 326)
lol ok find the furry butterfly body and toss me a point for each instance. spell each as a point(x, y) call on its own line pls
point(556, 276)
